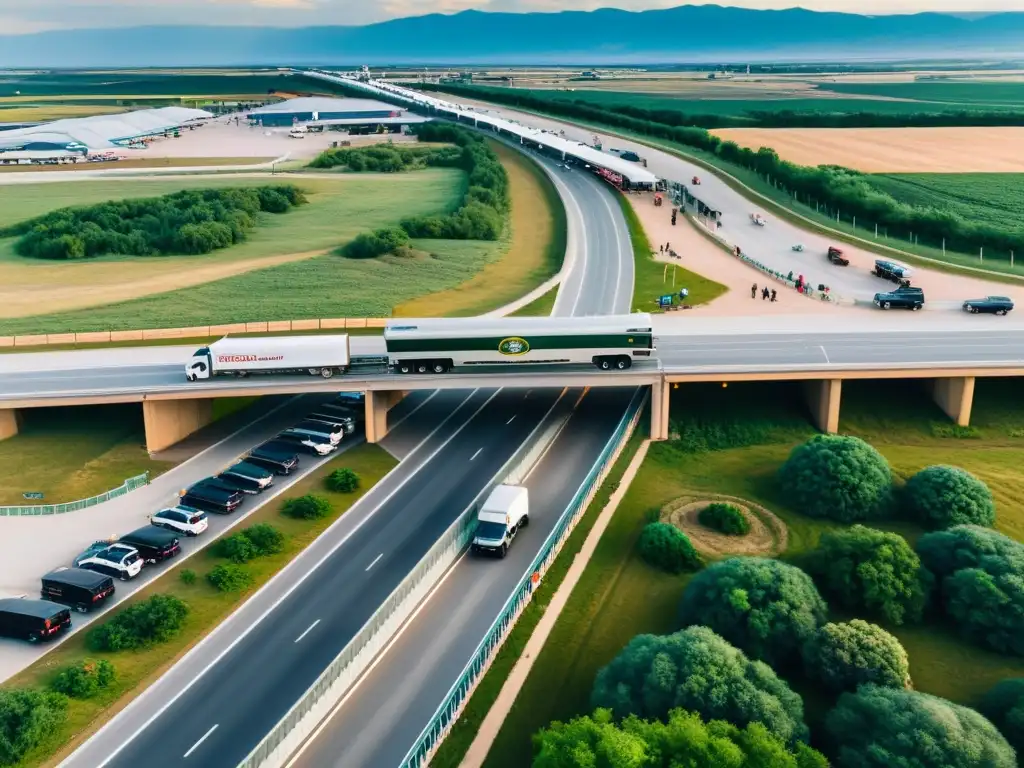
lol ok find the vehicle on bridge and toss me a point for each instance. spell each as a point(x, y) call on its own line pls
point(502, 515)
point(316, 355)
point(436, 345)
point(996, 305)
point(904, 297)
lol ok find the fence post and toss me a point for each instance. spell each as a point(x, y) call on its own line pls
point(1011, 259)
point(981, 253)
point(876, 231)
point(854, 222)
point(943, 247)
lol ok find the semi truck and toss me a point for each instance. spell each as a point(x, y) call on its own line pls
point(316, 355)
point(506, 510)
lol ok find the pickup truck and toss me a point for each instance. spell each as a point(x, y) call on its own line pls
point(835, 256)
point(996, 305)
point(903, 297)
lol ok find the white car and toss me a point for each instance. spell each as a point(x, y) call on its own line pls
point(118, 560)
point(182, 518)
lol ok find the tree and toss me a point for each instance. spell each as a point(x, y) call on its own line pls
point(343, 480)
point(879, 726)
point(699, 671)
point(684, 740)
point(724, 518)
point(844, 656)
point(837, 477)
point(666, 547)
point(26, 717)
point(1004, 706)
point(764, 606)
point(941, 496)
point(308, 507)
point(874, 570)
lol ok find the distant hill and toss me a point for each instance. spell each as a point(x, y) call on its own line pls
point(688, 33)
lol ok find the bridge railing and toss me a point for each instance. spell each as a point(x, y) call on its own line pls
point(452, 704)
point(300, 721)
point(73, 506)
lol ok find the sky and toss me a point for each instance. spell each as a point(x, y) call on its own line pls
point(22, 16)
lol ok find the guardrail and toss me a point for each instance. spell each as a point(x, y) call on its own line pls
point(72, 506)
point(297, 724)
point(451, 707)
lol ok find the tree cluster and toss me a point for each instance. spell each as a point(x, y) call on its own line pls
point(725, 518)
point(666, 547)
point(941, 496)
point(388, 158)
point(684, 740)
point(844, 656)
point(1004, 706)
point(153, 620)
point(27, 716)
point(192, 221)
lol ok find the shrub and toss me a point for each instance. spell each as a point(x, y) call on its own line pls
point(874, 570)
point(844, 656)
point(766, 607)
point(343, 480)
point(84, 679)
point(1004, 706)
point(369, 245)
point(265, 539)
point(837, 477)
point(724, 518)
point(941, 496)
point(237, 548)
point(666, 547)
point(228, 577)
point(153, 620)
point(879, 726)
point(697, 670)
point(27, 716)
point(685, 740)
point(308, 507)
point(188, 576)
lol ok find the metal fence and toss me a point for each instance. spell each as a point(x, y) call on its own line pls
point(73, 506)
point(295, 727)
point(451, 707)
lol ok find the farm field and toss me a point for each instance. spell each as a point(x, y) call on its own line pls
point(892, 150)
point(752, 428)
point(139, 162)
point(992, 198)
point(981, 94)
point(156, 83)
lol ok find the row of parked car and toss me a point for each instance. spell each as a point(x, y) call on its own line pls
point(907, 296)
point(89, 582)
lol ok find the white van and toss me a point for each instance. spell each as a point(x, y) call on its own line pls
point(506, 510)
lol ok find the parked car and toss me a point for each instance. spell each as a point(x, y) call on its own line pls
point(349, 410)
point(230, 484)
point(835, 256)
point(320, 429)
point(995, 305)
point(318, 446)
point(334, 419)
point(33, 620)
point(281, 460)
point(82, 589)
point(356, 399)
point(153, 544)
point(119, 560)
point(893, 271)
point(212, 499)
point(182, 518)
point(903, 297)
point(263, 478)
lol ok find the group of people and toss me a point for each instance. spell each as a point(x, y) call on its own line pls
point(766, 293)
point(667, 249)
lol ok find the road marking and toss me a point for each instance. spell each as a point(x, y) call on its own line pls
point(510, 421)
point(822, 348)
point(375, 561)
point(475, 454)
point(195, 746)
point(310, 627)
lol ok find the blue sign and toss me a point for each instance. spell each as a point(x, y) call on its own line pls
point(33, 495)
point(666, 300)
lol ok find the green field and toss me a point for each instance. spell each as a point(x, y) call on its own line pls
point(960, 94)
point(155, 83)
point(993, 198)
point(757, 425)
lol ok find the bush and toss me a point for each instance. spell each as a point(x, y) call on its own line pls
point(343, 480)
point(369, 245)
point(84, 679)
point(153, 620)
point(697, 670)
point(873, 570)
point(724, 518)
point(27, 716)
point(237, 548)
point(685, 740)
point(265, 538)
point(844, 656)
point(941, 496)
point(666, 547)
point(889, 727)
point(981, 583)
point(1004, 706)
point(766, 607)
point(188, 576)
point(228, 577)
point(837, 477)
point(308, 507)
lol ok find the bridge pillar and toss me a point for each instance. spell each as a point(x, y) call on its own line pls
point(10, 421)
point(170, 421)
point(377, 406)
point(955, 397)
point(823, 398)
point(659, 410)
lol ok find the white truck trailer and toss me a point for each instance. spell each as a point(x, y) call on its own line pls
point(316, 355)
point(506, 510)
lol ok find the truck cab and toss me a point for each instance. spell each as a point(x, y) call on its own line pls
point(500, 518)
point(199, 366)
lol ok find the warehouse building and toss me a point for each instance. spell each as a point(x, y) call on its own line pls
point(328, 111)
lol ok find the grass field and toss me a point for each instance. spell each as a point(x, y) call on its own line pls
point(619, 597)
point(993, 198)
point(978, 94)
point(140, 162)
point(15, 113)
point(539, 307)
point(530, 252)
point(136, 670)
point(69, 454)
point(155, 83)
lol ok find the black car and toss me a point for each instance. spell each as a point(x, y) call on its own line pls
point(278, 459)
point(903, 297)
point(893, 271)
point(230, 484)
point(154, 544)
point(335, 420)
point(82, 589)
point(33, 620)
point(995, 305)
point(248, 475)
point(211, 499)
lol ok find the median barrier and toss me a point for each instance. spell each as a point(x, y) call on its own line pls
point(355, 658)
point(72, 506)
point(451, 706)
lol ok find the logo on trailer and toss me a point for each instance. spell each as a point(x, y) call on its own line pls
point(514, 346)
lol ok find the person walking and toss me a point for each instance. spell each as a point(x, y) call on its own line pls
point(753, 291)
point(774, 294)
point(661, 249)
point(765, 293)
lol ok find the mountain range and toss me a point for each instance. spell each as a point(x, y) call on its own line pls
point(693, 34)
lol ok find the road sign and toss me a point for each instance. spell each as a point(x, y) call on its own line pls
point(33, 495)
point(666, 300)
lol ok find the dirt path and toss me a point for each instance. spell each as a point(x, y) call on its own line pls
point(768, 535)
